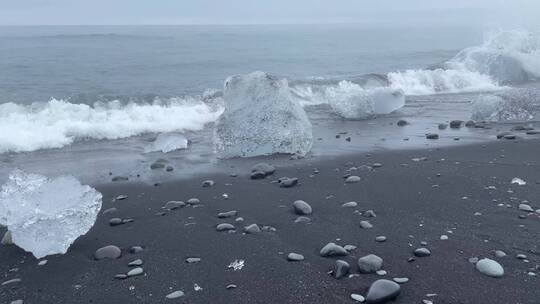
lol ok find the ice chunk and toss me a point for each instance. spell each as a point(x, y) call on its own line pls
point(261, 118)
point(352, 101)
point(168, 142)
point(45, 216)
point(515, 104)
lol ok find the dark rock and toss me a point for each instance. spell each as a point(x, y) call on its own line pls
point(369, 264)
point(341, 269)
point(456, 124)
point(115, 221)
point(382, 291)
point(331, 249)
point(402, 123)
point(120, 178)
point(286, 182)
point(302, 208)
point(432, 136)
point(422, 252)
point(108, 252)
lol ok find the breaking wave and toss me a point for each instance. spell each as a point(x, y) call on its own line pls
point(58, 123)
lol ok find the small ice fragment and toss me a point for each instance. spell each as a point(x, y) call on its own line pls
point(519, 181)
point(168, 142)
point(45, 216)
point(196, 287)
point(237, 265)
point(351, 101)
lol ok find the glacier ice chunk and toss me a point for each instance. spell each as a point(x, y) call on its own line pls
point(510, 105)
point(351, 101)
point(168, 142)
point(261, 118)
point(45, 216)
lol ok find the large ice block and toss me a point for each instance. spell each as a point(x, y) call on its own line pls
point(45, 216)
point(261, 118)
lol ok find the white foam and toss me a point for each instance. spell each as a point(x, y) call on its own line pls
point(58, 123)
point(427, 82)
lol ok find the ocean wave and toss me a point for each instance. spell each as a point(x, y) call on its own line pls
point(58, 123)
point(504, 57)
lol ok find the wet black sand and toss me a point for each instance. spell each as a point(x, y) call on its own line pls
point(409, 209)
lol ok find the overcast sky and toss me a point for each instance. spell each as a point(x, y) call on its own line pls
point(418, 12)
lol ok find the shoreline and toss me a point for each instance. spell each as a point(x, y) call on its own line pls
point(409, 210)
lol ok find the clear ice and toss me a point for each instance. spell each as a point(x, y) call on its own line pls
point(352, 101)
point(508, 105)
point(261, 118)
point(168, 142)
point(45, 216)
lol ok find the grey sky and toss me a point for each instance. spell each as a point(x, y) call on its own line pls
point(462, 12)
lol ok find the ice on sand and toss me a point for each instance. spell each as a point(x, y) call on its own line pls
point(45, 216)
point(352, 101)
point(261, 118)
point(509, 105)
point(168, 142)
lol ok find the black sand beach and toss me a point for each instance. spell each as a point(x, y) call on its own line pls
point(417, 196)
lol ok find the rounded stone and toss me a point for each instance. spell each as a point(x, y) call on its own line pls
point(295, 257)
point(173, 205)
point(224, 227)
point(341, 269)
point(252, 229)
point(353, 179)
point(135, 272)
point(380, 239)
point(382, 291)
point(369, 263)
point(108, 252)
point(302, 208)
point(422, 252)
point(175, 294)
point(366, 225)
point(350, 205)
point(490, 268)
point(115, 221)
point(331, 249)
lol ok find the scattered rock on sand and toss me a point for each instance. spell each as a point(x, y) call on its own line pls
point(402, 123)
point(135, 272)
point(108, 252)
point(225, 227)
point(382, 291)
point(262, 170)
point(456, 124)
point(193, 260)
point(401, 280)
point(208, 183)
point(331, 249)
point(115, 221)
point(136, 249)
point(422, 252)
point(499, 253)
point(369, 263)
point(175, 294)
point(227, 214)
point(173, 205)
point(366, 225)
point(490, 268)
point(432, 136)
point(286, 182)
point(295, 257)
point(443, 126)
point(302, 220)
point(353, 179)
point(358, 298)
point(525, 207)
point(341, 269)
point(302, 208)
point(350, 205)
point(252, 229)
point(380, 238)
point(137, 262)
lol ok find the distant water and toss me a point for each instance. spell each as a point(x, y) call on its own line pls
point(108, 85)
